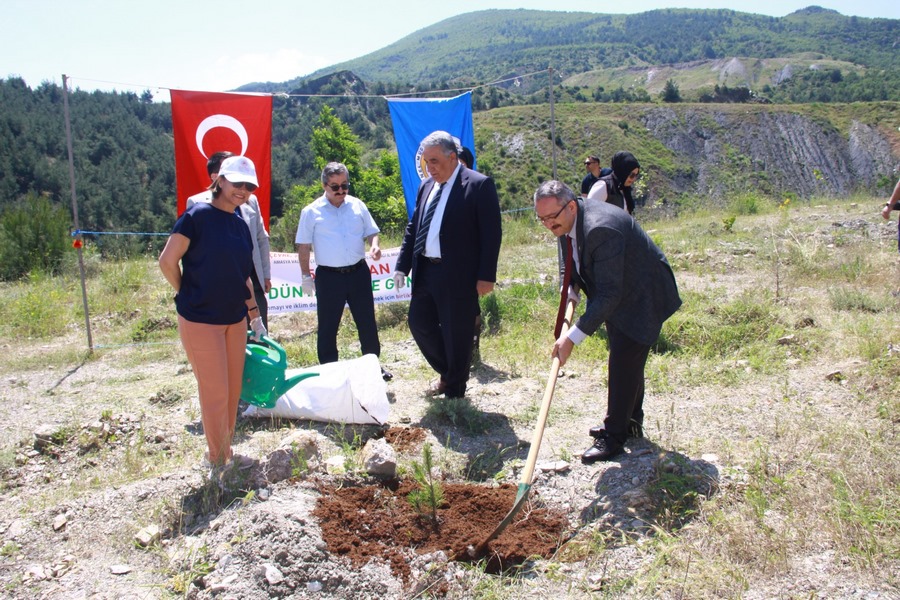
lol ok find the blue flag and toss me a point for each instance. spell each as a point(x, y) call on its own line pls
point(414, 119)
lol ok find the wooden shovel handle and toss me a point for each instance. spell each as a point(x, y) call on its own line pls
point(528, 472)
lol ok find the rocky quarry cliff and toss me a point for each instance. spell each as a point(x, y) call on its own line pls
point(711, 152)
point(774, 151)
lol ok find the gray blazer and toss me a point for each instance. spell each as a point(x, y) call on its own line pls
point(626, 277)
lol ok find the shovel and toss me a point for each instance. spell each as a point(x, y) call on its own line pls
point(528, 472)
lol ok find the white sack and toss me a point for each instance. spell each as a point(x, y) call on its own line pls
point(347, 391)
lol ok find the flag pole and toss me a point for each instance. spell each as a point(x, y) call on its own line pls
point(78, 241)
point(552, 123)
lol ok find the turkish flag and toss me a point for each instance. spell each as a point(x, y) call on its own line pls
point(204, 123)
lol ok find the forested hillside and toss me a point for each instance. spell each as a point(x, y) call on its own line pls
point(125, 167)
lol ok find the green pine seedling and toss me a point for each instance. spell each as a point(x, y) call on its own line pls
point(430, 495)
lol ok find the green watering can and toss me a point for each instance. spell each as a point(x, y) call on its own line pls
point(264, 367)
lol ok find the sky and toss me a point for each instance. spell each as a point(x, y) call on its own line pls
point(220, 45)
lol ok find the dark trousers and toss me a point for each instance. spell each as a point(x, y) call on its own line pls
point(442, 323)
point(627, 359)
point(333, 291)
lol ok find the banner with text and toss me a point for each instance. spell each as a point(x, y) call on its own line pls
point(415, 118)
point(207, 122)
point(287, 294)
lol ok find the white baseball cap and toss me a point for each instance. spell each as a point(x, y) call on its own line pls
point(237, 169)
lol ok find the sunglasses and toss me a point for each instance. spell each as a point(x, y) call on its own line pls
point(335, 187)
point(552, 217)
point(243, 185)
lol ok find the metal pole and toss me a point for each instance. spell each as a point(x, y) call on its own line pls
point(552, 123)
point(84, 298)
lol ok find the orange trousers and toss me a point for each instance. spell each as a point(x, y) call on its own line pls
point(216, 353)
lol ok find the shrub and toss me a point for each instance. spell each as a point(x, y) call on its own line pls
point(33, 236)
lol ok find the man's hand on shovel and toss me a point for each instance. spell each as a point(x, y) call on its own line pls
point(562, 348)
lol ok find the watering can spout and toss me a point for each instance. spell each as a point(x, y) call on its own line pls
point(289, 383)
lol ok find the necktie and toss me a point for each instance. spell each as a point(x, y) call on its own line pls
point(422, 233)
point(564, 294)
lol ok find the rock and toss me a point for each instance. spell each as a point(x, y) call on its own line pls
point(36, 572)
point(335, 465)
point(835, 376)
point(147, 536)
point(120, 569)
point(43, 436)
point(60, 521)
point(379, 459)
point(557, 466)
point(62, 565)
point(272, 574)
point(787, 340)
point(297, 455)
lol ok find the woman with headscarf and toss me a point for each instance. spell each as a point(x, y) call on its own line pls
point(208, 259)
point(615, 188)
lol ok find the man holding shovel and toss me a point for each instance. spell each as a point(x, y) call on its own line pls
point(630, 288)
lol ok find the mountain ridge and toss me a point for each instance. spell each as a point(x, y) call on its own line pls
point(484, 46)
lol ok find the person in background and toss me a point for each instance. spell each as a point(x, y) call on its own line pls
point(893, 203)
point(615, 188)
point(335, 227)
point(207, 260)
point(594, 172)
point(629, 286)
point(466, 157)
point(451, 247)
point(249, 211)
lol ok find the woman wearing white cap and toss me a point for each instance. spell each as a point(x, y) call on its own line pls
point(214, 295)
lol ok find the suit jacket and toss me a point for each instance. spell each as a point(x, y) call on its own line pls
point(253, 217)
point(470, 232)
point(626, 277)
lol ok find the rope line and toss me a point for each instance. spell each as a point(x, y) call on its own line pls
point(78, 232)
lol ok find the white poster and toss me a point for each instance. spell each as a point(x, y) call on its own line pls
point(287, 294)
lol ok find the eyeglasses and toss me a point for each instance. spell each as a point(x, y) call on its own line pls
point(634, 176)
point(335, 187)
point(552, 217)
point(243, 185)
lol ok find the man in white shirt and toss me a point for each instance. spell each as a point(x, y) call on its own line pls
point(250, 212)
point(335, 227)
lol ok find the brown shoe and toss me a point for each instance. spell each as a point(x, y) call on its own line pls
point(436, 388)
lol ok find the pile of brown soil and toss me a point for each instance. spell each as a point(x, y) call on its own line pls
point(405, 439)
point(378, 521)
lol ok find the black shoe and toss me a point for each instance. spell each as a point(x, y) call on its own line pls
point(635, 430)
point(604, 448)
point(386, 375)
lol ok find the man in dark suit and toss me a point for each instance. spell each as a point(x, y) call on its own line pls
point(629, 286)
point(451, 248)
